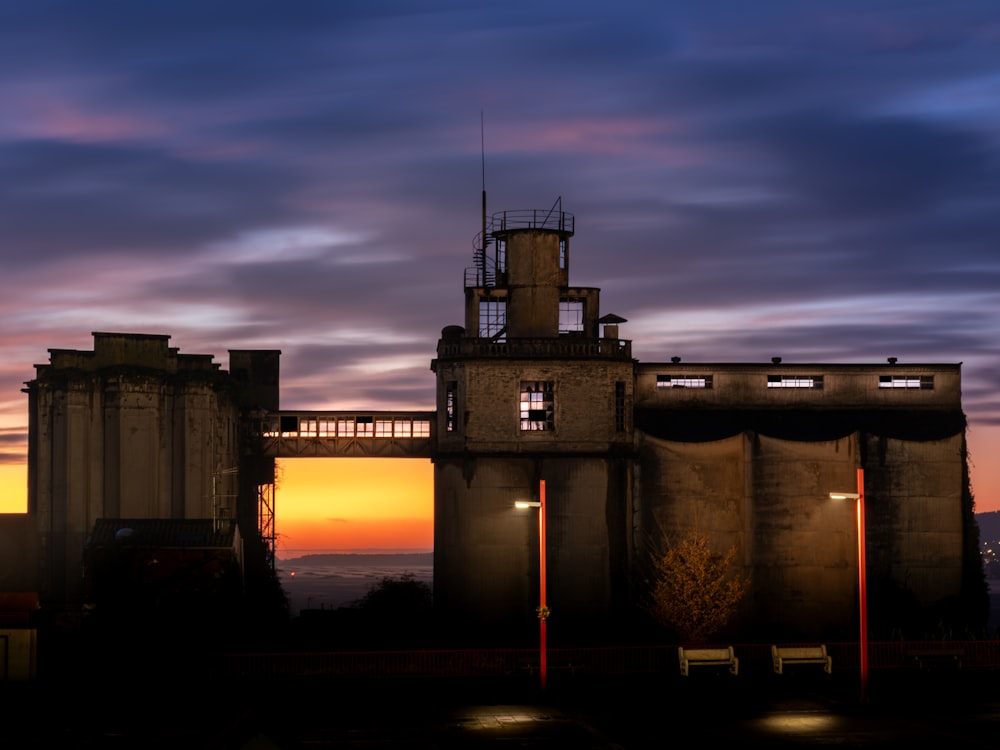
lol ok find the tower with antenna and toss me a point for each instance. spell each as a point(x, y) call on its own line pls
point(535, 386)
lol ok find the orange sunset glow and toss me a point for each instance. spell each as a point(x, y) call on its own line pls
point(338, 504)
point(354, 504)
point(363, 503)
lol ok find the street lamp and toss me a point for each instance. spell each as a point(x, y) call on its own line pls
point(862, 574)
point(543, 610)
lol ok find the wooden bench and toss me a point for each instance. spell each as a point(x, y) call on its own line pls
point(785, 655)
point(722, 656)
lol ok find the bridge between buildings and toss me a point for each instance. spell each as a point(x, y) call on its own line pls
point(346, 434)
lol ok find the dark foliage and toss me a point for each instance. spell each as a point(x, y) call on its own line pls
point(399, 596)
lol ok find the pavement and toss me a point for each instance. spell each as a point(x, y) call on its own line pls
point(958, 709)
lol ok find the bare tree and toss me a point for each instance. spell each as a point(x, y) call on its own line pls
point(694, 592)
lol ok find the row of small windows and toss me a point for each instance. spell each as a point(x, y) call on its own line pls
point(793, 381)
point(683, 381)
point(925, 382)
point(291, 425)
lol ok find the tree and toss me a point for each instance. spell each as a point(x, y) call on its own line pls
point(398, 596)
point(694, 592)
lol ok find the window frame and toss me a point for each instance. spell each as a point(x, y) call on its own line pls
point(537, 406)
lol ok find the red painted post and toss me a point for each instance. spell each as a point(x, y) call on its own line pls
point(863, 584)
point(542, 610)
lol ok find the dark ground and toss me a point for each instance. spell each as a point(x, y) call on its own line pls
point(803, 708)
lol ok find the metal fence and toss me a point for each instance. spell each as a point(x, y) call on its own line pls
point(754, 658)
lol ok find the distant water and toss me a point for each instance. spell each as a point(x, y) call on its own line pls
point(332, 580)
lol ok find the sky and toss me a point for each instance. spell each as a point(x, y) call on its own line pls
point(815, 181)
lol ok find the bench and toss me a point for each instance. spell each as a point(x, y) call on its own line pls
point(785, 655)
point(722, 656)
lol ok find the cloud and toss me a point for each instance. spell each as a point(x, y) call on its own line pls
point(805, 181)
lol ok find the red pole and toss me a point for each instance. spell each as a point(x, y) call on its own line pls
point(863, 584)
point(542, 614)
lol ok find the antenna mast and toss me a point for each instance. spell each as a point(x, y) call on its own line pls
point(482, 146)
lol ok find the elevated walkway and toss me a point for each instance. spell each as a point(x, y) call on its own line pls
point(346, 434)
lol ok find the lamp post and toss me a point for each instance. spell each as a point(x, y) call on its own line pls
point(862, 575)
point(543, 610)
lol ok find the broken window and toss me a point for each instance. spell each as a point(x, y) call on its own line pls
point(493, 319)
point(683, 381)
point(620, 406)
point(794, 381)
point(365, 427)
point(450, 405)
point(925, 382)
point(537, 405)
point(571, 316)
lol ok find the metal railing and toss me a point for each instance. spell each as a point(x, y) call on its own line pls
point(569, 346)
point(755, 659)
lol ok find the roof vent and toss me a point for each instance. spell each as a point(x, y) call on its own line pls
point(776, 360)
point(675, 360)
point(892, 360)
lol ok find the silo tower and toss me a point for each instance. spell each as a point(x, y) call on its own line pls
point(530, 389)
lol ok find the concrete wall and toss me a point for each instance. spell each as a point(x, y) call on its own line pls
point(130, 430)
point(18, 553)
point(914, 511)
point(534, 281)
point(488, 405)
point(486, 553)
point(769, 498)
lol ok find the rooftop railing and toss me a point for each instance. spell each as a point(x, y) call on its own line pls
point(568, 347)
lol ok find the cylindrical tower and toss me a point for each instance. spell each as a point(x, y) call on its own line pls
point(528, 391)
point(535, 279)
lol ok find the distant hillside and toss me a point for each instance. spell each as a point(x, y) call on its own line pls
point(358, 558)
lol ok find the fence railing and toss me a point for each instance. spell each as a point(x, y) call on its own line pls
point(754, 658)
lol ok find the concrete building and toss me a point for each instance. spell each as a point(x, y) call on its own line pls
point(537, 385)
point(134, 429)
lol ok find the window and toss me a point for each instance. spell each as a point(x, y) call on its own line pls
point(683, 381)
point(450, 398)
point(366, 427)
point(289, 425)
point(924, 382)
point(493, 319)
point(421, 428)
point(619, 406)
point(571, 316)
point(536, 405)
point(563, 253)
point(795, 381)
